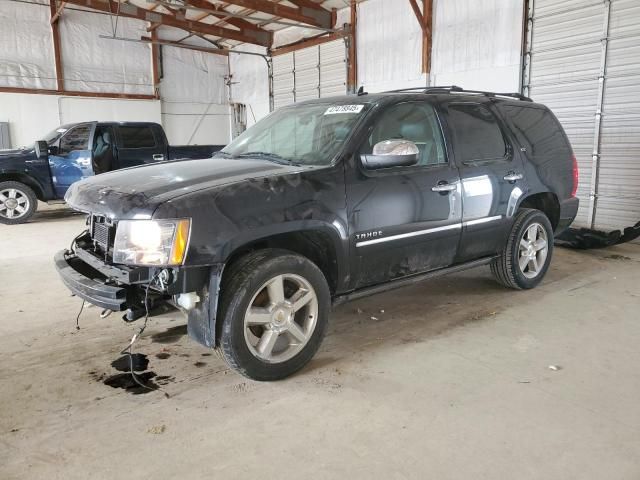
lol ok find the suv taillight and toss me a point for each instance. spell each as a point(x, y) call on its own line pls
point(575, 176)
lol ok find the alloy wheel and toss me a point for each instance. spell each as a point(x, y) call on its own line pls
point(13, 203)
point(533, 251)
point(281, 318)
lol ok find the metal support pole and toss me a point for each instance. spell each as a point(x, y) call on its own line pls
point(270, 74)
point(525, 79)
point(595, 157)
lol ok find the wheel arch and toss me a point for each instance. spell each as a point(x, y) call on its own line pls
point(547, 202)
point(29, 181)
point(320, 243)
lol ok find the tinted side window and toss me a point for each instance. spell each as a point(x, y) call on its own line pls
point(416, 122)
point(137, 137)
point(75, 139)
point(476, 134)
point(538, 131)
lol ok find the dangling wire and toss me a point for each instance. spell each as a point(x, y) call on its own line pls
point(129, 349)
point(72, 247)
point(78, 317)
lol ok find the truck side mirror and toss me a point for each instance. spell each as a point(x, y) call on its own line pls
point(42, 149)
point(391, 153)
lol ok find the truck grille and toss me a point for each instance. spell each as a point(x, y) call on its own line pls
point(102, 233)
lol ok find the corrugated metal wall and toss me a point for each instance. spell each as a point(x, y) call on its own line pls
point(618, 189)
point(582, 61)
point(309, 73)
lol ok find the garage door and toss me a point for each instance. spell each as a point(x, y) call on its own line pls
point(582, 61)
point(313, 72)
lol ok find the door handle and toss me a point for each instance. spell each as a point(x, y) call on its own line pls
point(513, 177)
point(444, 187)
point(158, 156)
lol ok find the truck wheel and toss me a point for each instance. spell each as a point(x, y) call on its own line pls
point(527, 255)
point(18, 202)
point(274, 310)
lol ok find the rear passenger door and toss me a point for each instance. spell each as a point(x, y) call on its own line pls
point(491, 174)
point(138, 145)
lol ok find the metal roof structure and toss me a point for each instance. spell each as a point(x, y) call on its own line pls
point(226, 23)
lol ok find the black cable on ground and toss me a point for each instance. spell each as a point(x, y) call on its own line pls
point(129, 349)
point(78, 317)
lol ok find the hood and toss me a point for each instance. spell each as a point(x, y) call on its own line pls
point(137, 192)
point(16, 153)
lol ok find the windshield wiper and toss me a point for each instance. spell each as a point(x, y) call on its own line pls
point(222, 154)
point(273, 157)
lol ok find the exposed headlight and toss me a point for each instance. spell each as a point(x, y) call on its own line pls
point(151, 242)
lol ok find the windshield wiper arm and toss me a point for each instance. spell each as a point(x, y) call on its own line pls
point(274, 157)
point(222, 154)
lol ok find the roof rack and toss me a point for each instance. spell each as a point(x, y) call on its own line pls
point(456, 89)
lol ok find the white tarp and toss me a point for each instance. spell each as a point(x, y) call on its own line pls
point(250, 82)
point(26, 47)
point(389, 42)
point(94, 64)
point(195, 106)
point(477, 44)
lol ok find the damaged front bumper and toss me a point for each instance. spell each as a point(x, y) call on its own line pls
point(100, 284)
point(120, 288)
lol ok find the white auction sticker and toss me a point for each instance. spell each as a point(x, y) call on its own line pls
point(344, 109)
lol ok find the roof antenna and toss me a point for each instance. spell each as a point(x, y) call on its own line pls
point(361, 91)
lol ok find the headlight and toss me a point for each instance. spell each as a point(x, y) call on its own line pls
point(151, 242)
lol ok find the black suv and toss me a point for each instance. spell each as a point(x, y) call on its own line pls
point(323, 202)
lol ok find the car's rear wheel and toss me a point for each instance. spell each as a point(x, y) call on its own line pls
point(525, 260)
point(18, 202)
point(274, 310)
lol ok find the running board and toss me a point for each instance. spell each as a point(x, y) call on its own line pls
point(406, 281)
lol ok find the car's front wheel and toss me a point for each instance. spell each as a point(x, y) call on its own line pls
point(526, 257)
point(18, 202)
point(274, 311)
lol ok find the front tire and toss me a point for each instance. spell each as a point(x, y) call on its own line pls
point(18, 202)
point(526, 257)
point(274, 309)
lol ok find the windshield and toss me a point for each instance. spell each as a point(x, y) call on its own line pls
point(304, 134)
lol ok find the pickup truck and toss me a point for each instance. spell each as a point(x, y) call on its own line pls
point(76, 151)
point(323, 202)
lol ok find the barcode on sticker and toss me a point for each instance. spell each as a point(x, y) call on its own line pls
point(344, 109)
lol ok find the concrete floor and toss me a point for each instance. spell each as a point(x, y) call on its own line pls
point(451, 381)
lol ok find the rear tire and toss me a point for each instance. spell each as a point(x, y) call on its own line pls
point(526, 257)
point(274, 310)
point(18, 202)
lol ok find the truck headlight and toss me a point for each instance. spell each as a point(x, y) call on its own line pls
point(151, 242)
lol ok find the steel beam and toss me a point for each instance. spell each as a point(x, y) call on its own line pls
point(131, 11)
point(306, 15)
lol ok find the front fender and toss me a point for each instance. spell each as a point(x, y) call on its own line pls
point(202, 320)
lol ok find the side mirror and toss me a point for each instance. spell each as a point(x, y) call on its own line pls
point(391, 153)
point(53, 150)
point(42, 149)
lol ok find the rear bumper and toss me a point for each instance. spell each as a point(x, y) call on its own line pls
point(568, 212)
point(88, 283)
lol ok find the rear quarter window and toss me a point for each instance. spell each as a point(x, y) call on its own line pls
point(137, 137)
point(538, 131)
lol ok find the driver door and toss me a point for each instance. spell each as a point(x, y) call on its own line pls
point(407, 219)
point(70, 159)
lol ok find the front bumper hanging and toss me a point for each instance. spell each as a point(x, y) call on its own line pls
point(89, 284)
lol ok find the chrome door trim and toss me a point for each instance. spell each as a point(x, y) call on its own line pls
point(409, 234)
point(478, 221)
point(453, 226)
